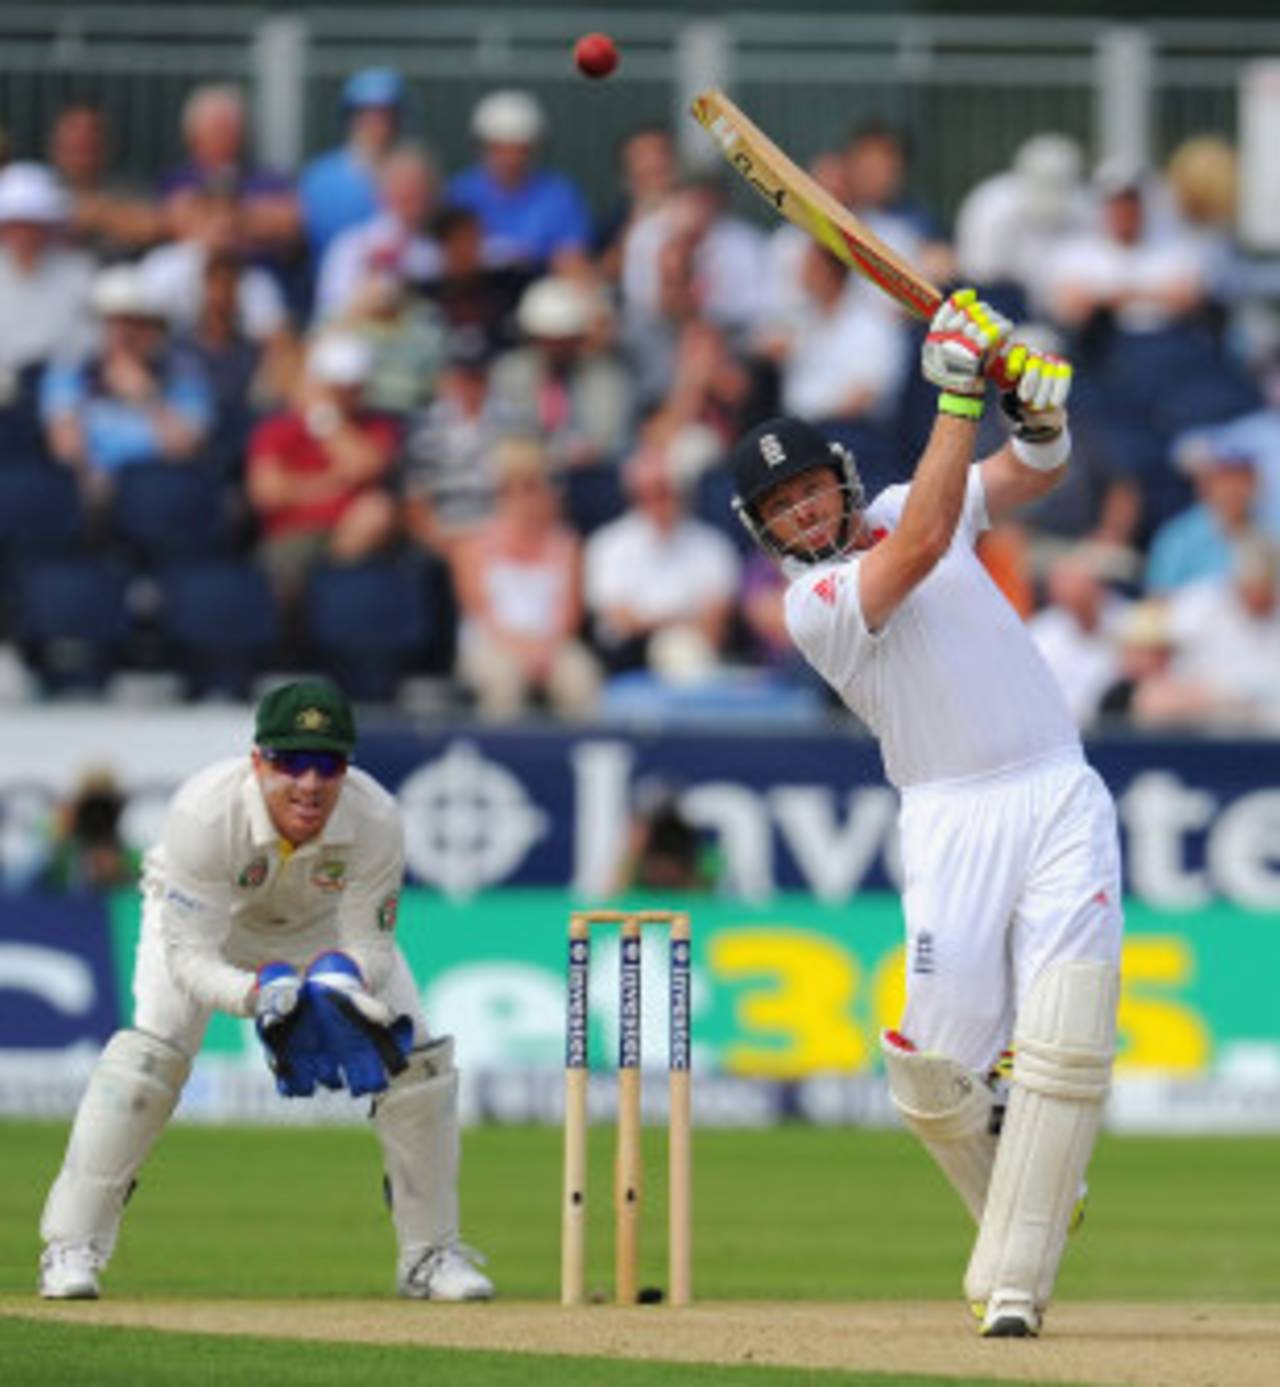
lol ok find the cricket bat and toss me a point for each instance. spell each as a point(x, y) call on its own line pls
point(793, 193)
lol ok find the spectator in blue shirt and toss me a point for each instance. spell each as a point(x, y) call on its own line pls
point(339, 189)
point(135, 400)
point(532, 217)
point(1199, 542)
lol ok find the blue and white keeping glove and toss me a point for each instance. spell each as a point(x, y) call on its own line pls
point(289, 1033)
point(367, 1041)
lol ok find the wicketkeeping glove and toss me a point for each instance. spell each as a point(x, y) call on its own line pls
point(287, 1027)
point(963, 336)
point(1035, 389)
point(361, 1034)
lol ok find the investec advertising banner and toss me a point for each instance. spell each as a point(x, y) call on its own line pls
point(796, 968)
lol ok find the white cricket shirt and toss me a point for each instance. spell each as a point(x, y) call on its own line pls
point(951, 685)
point(231, 895)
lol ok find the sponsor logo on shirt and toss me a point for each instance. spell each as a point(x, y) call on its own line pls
point(388, 911)
point(825, 589)
point(922, 960)
point(253, 875)
point(181, 899)
point(330, 876)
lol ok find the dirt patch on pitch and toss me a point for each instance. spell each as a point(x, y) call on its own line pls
point(1135, 1345)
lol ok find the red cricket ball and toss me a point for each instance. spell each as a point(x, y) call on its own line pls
point(596, 55)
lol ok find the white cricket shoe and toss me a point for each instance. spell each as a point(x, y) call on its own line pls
point(447, 1272)
point(69, 1271)
point(1010, 1315)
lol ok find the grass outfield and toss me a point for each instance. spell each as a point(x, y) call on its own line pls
point(785, 1214)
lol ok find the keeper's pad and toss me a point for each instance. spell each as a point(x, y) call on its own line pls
point(1063, 1050)
point(950, 1109)
point(417, 1124)
point(132, 1093)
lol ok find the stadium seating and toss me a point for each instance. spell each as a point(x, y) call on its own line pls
point(166, 512)
point(71, 619)
point(40, 511)
point(220, 621)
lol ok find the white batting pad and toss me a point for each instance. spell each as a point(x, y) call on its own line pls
point(950, 1109)
point(1063, 1050)
point(417, 1125)
point(132, 1093)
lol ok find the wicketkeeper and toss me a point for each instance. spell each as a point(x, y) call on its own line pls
point(273, 895)
point(1009, 844)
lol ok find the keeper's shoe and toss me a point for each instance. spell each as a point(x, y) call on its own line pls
point(1010, 1315)
point(69, 1271)
point(447, 1272)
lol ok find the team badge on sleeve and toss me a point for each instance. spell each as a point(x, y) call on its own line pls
point(388, 912)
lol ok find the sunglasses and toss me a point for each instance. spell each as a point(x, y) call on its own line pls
point(326, 764)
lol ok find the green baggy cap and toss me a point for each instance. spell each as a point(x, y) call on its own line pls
point(307, 715)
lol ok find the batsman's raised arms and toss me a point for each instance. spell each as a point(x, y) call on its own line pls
point(789, 190)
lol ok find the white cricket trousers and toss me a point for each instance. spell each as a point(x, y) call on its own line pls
point(1004, 874)
point(163, 1009)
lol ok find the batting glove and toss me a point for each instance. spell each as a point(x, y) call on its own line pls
point(367, 1041)
point(289, 1034)
point(1035, 386)
point(963, 336)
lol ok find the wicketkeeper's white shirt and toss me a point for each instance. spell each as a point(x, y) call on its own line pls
point(230, 895)
point(951, 685)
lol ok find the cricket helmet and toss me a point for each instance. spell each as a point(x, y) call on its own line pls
point(776, 451)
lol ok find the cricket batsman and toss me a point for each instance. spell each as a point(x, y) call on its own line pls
point(1009, 845)
point(273, 895)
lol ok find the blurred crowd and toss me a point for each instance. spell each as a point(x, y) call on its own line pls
point(464, 429)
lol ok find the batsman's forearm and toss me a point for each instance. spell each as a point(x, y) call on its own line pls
point(936, 497)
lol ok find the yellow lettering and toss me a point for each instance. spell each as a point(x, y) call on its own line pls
point(1159, 1033)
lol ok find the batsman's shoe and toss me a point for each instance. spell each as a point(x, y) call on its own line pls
point(69, 1271)
point(448, 1272)
point(1010, 1315)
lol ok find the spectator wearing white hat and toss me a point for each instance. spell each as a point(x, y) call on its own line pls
point(318, 473)
point(134, 400)
point(395, 244)
point(575, 391)
point(532, 216)
point(44, 286)
point(339, 189)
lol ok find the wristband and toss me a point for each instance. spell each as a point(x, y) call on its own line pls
point(1044, 457)
point(961, 406)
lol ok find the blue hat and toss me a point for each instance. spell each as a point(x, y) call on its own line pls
point(373, 86)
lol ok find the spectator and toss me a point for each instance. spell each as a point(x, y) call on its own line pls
point(339, 189)
point(656, 570)
point(239, 374)
point(532, 216)
point(1009, 225)
point(788, 244)
point(664, 850)
point(213, 131)
point(1142, 279)
point(1144, 655)
point(450, 485)
point(137, 399)
point(110, 217)
point(876, 158)
point(1226, 667)
point(1076, 632)
point(216, 223)
point(518, 577)
point(472, 294)
point(650, 173)
point(44, 286)
point(577, 394)
point(1198, 542)
point(713, 393)
point(840, 359)
point(318, 472)
point(726, 258)
point(394, 243)
point(1203, 180)
point(408, 336)
point(87, 852)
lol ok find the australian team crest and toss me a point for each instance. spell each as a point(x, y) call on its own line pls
point(253, 875)
point(330, 876)
point(312, 720)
